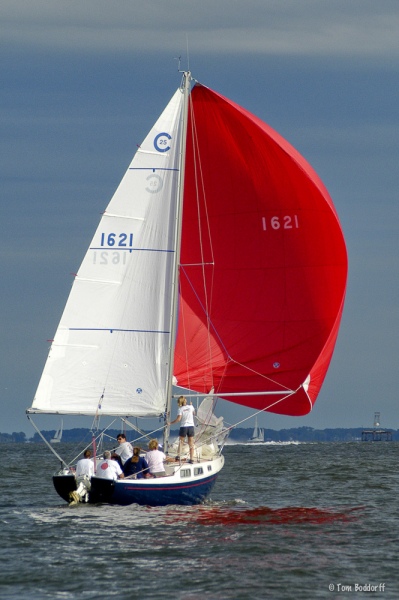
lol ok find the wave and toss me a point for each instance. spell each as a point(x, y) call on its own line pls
point(268, 443)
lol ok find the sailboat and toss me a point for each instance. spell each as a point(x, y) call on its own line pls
point(57, 436)
point(219, 266)
point(258, 434)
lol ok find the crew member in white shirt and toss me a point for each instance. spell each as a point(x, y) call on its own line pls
point(83, 473)
point(155, 459)
point(108, 468)
point(124, 450)
point(85, 466)
point(185, 415)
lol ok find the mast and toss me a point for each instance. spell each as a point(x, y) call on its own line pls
point(176, 264)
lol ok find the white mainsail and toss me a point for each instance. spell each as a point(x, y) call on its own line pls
point(110, 352)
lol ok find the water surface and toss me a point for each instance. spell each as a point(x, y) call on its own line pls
point(292, 521)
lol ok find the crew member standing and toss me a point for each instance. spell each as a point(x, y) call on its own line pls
point(185, 415)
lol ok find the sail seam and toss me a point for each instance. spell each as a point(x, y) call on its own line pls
point(141, 151)
point(153, 169)
point(112, 329)
point(123, 216)
point(105, 248)
point(211, 264)
point(74, 345)
point(77, 278)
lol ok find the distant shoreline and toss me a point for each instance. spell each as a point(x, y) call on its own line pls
point(240, 434)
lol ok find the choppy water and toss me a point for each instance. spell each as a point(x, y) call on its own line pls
point(283, 522)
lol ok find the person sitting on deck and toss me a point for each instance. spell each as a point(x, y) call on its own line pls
point(84, 472)
point(156, 459)
point(136, 466)
point(108, 468)
point(124, 450)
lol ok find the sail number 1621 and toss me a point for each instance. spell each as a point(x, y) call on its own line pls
point(282, 222)
point(121, 240)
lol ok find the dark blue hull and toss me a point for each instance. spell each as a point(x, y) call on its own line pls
point(147, 493)
point(185, 484)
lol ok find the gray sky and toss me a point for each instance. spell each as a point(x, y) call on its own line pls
point(83, 82)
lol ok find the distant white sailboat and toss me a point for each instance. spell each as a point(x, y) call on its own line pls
point(58, 435)
point(258, 434)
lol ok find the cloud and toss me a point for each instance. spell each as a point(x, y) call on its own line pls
point(360, 28)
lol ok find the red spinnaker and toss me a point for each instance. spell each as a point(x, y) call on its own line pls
point(263, 263)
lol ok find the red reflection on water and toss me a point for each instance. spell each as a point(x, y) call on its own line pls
point(265, 516)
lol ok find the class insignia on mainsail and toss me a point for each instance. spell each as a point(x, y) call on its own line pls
point(219, 264)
